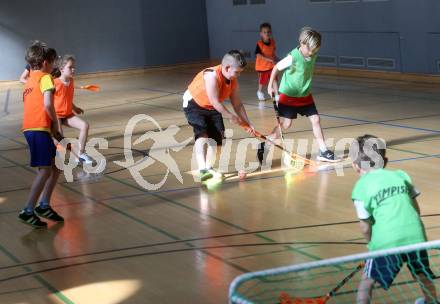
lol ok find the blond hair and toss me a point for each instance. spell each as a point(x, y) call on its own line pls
point(234, 58)
point(310, 37)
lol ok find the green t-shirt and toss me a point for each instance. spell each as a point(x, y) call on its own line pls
point(297, 79)
point(387, 197)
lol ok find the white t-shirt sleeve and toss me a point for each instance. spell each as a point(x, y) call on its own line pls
point(186, 98)
point(362, 213)
point(285, 63)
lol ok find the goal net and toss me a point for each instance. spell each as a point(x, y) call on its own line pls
point(337, 280)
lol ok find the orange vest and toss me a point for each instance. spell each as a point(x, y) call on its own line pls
point(198, 91)
point(262, 65)
point(63, 99)
point(35, 115)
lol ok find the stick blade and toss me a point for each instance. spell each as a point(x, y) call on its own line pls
point(91, 87)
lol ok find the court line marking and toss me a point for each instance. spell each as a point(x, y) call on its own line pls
point(168, 93)
point(20, 290)
point(362, 122)
point(207, 215)
point(197, 211)
point(198, 186)
point(38, 278)
point(383, 124)
point(380, 122)
point(272, 240)
point(310, 246)
point(306, 244)
point(264, 177)
point(139, 221)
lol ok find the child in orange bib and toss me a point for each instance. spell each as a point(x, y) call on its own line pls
point(203, 107)
point(265, 59)
point(66, 109)
point(39, 121)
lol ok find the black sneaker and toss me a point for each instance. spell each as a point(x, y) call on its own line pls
point(327, 156)
point(31, 219)
point(49, 213)
point(260, 152)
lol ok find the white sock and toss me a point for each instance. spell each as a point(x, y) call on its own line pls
point(200, 146)
point(210, 155)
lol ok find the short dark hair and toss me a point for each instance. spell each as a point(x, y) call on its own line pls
point(364, 149)
point(37, 53)
point(56, 73)
point(265, 25)
point(234, 57)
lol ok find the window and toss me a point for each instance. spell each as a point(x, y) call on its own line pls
point(239, 2)
point(351, 61)
point(381, 63)
point(326, 60)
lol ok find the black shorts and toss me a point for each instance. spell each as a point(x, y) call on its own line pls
point(291, 112)
point(205, 122)
point(384, 269)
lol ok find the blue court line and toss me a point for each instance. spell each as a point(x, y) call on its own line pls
point(267, 177)
point(20, 290)
point(362, 121)
point(367, 122)
point(383, 122)
point(155, 194)
point(380, 122)
point(415, 158)
point(207, 215)
point(305, 246)
point(13, 140)
point(133, 218)
point(163, 91)
point(367, 91)
point(38, 278)
point(248, 179)
point(293, 249)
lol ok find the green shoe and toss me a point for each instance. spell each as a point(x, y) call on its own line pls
point(205, 174)
point(215, 173)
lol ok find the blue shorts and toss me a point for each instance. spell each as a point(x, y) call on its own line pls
point(384, 269)
point(41, 148)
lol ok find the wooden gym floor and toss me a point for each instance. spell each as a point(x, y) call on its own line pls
point(123, 244)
